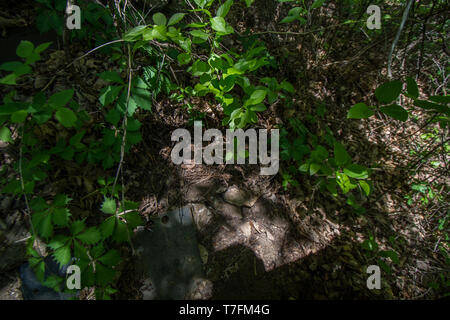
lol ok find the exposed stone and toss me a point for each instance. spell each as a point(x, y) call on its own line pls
point(201, 191)
point(423, 265)
point(227, 210)
point(201, 289)
point(262, 208)
point(169, 274)
point(239, 197)
point(201, 214)
point(10, 287)
point(246, 229)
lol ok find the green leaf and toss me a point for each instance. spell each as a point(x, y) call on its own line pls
point(340, 154)
point(356, 171)
point(256, 97)
point(427, 105)
point(141, 97)
point(10, 79)
point(60, 99)
point(40, 270)
point(174, 19)
point(62, 255)
point(440, 99)
point(184, 58)
point(314, 168)
point(134, 137)
point(24, 49)
point(109, 206)
point(121, 232)
point(32, 58)
point(287, 86)
point(365, 186)
point(107, 227)
point(53, 282)
point(199, 34)
point(11, 66)
point(198, 68)
point(395, 111)
point(249, 2)
point(159, 33)
point(60, 200)
point(388, 91)
point(331, 187)
point(411, 88)
point(111, 76)
point(97, 251)
point(289, 19)
point(66, 117)
point(218, 24)
point(77, 226)
point(113, 117)
point(121, 104)
point(319, 154)
point(38, 158)
point(317, 4)
point(159, 19)
point(201, 3)
point(133, 124)
point(224, 8)
point(42, 47)
point(22, 70)
point(295, 14)
point(360, 111)
point(104, 275)
point(57, 242)
point(90, 236)
point(19, 116)
point(134, 33)
point(258, 108)
point(111, 258)
point(46, 226)
point(109, 94)
point(80, 252)
point(390, 254)
point(61, 216)
point(344, 182)
point(133, 219)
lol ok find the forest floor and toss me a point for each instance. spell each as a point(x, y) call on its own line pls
point(281, 244)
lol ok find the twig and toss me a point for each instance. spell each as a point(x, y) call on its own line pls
point(86, 54)
point(124, 122)
point(299, 33)
point(397, 36)
point(22, 185)
point(422, 45)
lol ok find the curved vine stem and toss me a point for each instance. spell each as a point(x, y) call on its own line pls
point(397, 36)
point(28, 209)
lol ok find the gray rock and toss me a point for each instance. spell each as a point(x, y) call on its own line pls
point(169, 275)
point(227, 210)
point(201, 214)
point(201, 289)
point(239, 197)
point(201, 191)
point(246, 229)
